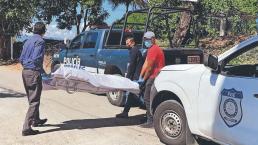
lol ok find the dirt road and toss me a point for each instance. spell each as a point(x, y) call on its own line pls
point(73, 119)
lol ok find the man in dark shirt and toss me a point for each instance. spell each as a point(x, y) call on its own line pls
point(133, 72)
point(32, 61)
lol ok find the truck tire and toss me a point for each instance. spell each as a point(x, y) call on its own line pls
point(115, 98)
point(170, 124)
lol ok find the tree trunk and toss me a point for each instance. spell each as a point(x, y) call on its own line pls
point(127, 7)
point(223, 27)
point(85, 20)
point(182, 28)
point(4, 46)
point(78, 18)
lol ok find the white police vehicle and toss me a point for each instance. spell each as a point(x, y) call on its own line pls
point(217, 101)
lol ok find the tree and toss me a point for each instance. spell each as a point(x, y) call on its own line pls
point(14, 17)
point(66, 15)
point(234, 16)
point(185, 19)
point(127, 3)
point(230, 16)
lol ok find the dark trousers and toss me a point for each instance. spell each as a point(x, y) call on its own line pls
point(132, 100)
point(33, 87)
point(147, 92)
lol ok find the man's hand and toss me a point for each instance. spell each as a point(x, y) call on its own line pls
point(141, 83)
point(140, 80)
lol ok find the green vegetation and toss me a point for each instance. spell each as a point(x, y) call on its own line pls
point(212, 18)
point(249, 57)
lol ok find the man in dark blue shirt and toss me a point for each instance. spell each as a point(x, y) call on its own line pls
point(133, 72)
point(32, 61)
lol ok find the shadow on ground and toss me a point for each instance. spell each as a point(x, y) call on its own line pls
point(8, 62)
point(201, 141)
point(8, 93)
point(95, 123)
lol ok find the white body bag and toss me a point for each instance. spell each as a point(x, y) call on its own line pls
point(72, 79)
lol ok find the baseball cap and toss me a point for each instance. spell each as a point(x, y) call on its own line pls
point(149, 34)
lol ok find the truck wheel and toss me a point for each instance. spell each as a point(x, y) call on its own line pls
point(170, 123)
point(116, 98)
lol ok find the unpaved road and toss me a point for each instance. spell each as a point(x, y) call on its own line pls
point(73, 119)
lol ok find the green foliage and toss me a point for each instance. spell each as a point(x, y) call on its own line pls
point(137, 18)
point(239, 14)
point(16, 15)
point(66, 15)
point(127, 3)
point(249, 57)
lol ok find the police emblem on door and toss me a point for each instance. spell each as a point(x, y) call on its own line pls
point(230, 108)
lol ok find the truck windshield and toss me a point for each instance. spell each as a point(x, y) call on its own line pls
point(114, 38)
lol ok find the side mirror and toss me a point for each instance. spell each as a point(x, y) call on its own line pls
point(211, 61)
point(67, 42)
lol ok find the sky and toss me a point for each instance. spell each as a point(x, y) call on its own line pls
point(54, 33)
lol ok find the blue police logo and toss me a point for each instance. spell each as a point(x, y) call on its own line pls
point(230, 107)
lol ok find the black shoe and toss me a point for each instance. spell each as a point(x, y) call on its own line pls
point(148, 124)
point(142, 107)
point(29, 132)
point(39, 122)
point(122, 115)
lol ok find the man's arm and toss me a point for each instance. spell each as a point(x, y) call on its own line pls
point(22, 56)
point(147, 68)
point(143, 70)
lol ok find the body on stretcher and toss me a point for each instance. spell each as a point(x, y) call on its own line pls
point(72, 80)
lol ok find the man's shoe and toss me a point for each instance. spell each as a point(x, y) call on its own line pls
point(29, 132)
point(122, 115)
point(39, 122)
point(148, 124)
point(142, 107)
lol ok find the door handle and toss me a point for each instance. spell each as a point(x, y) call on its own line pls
point(92, 55)
point(256, 96)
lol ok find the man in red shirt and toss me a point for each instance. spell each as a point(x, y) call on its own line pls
point(154, 62)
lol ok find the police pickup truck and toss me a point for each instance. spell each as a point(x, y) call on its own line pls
point(98, 51)
point(217, 100)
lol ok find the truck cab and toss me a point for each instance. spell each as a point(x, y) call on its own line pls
point(89, 51)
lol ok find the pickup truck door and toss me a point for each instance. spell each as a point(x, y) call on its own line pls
point(72, 54)
point(228, 101)
point(88, 51)
point(115, 57)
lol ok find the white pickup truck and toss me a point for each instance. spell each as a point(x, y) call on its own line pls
point(217, 100)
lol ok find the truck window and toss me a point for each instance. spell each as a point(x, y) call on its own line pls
point(115, 36)
point(90, 40)
point(76, 42)
point(244, 64)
